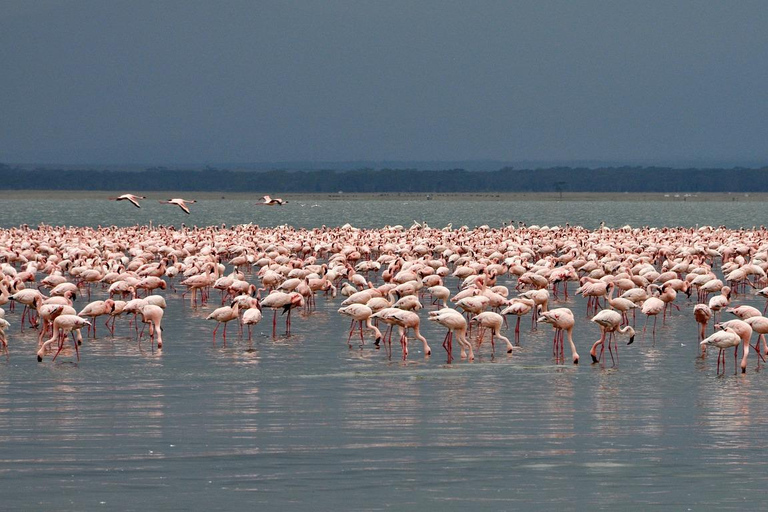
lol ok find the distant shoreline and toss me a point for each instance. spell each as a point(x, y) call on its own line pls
point(458, 196)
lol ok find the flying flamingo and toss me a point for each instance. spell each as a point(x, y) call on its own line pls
point(562, 320)
point(129, 197)
point(455, 323)
point(62, 325)
point(270, 201)
point(181, 203)
point(610, 323)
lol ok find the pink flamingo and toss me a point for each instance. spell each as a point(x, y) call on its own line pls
point(181, 203)
point(724, 339)
point(455, 323)
point(744, 331)
point(360, 313)
point(610, 323)
point(518, 307)
point(492, 321)
point(224, 315)
point(62, 325)
point(703, 315)
point(133, 199)
point(271, 201)
point(153, 315)
point(408, 320)
point(284, 301)
point(97, 308)
point(562, 320)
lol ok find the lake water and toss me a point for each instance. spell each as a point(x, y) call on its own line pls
point(307, 423)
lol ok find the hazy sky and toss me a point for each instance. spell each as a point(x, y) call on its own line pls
point(242, 81)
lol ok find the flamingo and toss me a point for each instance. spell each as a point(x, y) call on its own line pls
point(284, 301)
point(561, 319)
point(455, 323)
point(759, 325)
point(181, 203)
point(62, 325)
point(270, 201)
point(744, 331)
point(703, 315)
point(489, 319)
point(252, 315)
point(153, 315)
point(610, 323)
point(518, 307)
point(724, 339)
point(652, 306)
point(97, 308)
point(133, 199)
point(361, 313)
point(224, 315)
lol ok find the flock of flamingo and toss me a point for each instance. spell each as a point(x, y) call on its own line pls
point(386, 276)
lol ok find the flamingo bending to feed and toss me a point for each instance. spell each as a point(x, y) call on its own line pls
point(489, 319)
point(518, 307)
point(134, 200)
point(361, 313)
point(181, 203)
point(610, 323)
point(153, 315)
point(562, 320)
point(62, 325)
point(724, 339)
point(455, 323)
point(744, 331)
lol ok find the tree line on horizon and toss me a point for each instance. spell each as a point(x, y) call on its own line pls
point(506, 180)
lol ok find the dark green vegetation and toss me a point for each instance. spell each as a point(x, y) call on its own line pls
point(556, 179)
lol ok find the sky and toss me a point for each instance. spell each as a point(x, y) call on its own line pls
point(200, 82)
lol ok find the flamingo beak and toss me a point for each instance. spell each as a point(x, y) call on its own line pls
point(631, 339)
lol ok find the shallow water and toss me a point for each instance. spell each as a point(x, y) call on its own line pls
point(307, 422)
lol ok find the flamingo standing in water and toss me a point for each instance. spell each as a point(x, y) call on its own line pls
point(153, 315)
point(492, 321)
point(724, 339)
point(252, 315)
point(360, 313)
point(133, 199)
point(181, 203)
point(562, 320)
point(62, 325)
point(744, 331)
point(224, 315)
point(518, 307)
point(703, 315)
point(284, 301)
point(610, 323)
point(454, 322)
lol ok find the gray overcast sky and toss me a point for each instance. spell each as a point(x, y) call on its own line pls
point(243, 81)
